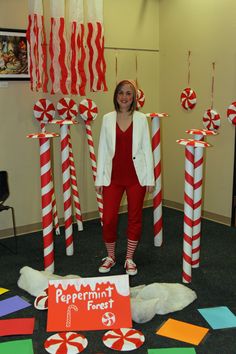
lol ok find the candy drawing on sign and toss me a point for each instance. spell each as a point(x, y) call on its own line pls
point(69, 315)
point(108, 319)
point(89, 303)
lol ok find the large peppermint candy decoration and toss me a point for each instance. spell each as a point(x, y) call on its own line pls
point(67, 108)
point(44, 110)
point(211, 119)
point(188, 99)
point(108, 319)
point(88, 109)
point(41, 301)
point(231, 113)
point(123, 339)
point(65, 343)
point(140, 98)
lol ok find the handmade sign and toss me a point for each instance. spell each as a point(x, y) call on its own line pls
point(89, 304)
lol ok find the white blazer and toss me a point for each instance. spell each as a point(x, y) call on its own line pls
point(141, 150)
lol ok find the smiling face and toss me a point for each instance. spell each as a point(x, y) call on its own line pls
point(125, 97)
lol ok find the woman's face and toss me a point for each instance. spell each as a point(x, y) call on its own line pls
point(125, 97)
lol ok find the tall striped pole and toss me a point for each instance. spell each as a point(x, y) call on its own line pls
point(190, 146)
point(46, 197)
point(198, 135)
point(157, 193)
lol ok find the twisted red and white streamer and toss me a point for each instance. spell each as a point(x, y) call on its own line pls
point(95, 42)
point(157, 194)
point(37, 45)
point(93, 164)
point(57, 48)
point(66, 180)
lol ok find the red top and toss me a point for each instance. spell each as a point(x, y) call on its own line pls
point(123, 171)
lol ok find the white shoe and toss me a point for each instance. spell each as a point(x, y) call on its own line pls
point(130, 267)
point(106, 265)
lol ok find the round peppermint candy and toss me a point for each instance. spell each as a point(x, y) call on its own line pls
point(41, 301)
point(123, 339)
point(188, 99)
point(66, 343)
point(231, 113)
point(211, 119)
point(192, 142)
point(140, 98)
point(88, 109)
point(108, 319)
point(44, 110)
point(67, 108)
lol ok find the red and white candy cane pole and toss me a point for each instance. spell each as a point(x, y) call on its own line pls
point(68, 110)
point(66, 180)
point(190, 145)
point(157, 193)
point(44, 112)
point(199, 135)
point(88, 111)
point(74, 187)
point(46, 197)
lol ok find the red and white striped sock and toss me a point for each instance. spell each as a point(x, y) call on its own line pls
point(131, 247)
point(110, 249)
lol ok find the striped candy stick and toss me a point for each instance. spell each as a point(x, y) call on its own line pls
point(66, 180)
point(75, 192)
point(93, 164)
point(198, 135)
point(157, 194)
point(54, 206)
point(188, 214)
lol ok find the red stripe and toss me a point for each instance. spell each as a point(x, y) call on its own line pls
point(198, 163)
point(156, 139)
point(62, 57)
point(74, 90)
point(51, 52)
point(103, 67)
point(36, 53)
point(99, 57)
point(31, 49)
point(44, 64)
point(81, 61)
point(157, 170)
point(91, 53)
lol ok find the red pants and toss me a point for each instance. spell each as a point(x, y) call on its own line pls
point(111, 202)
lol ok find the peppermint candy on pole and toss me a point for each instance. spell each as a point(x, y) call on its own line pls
point(157, 193)
point(123, 339)
point(211, 119)
point(231, 113)
point(88, 109)
point(44, 110)
point(67, 108)
point(65, 343)
point(41, 301)
point(188, 99)
point(140, 98)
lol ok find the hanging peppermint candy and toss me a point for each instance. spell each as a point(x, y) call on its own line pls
point(88, 109)
point(140, 98)
point(65, 343)
point(67, 108)
point(44, 110)
point(188, 99)
point(231, 113)
point(123, 339)
point(41, 301)
point(211, 120)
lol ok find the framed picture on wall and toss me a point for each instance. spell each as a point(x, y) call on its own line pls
point(14, 55)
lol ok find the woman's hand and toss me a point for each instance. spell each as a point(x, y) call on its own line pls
point(99, 189)
point(149, 189)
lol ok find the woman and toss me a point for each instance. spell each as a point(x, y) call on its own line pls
point(125, 164)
